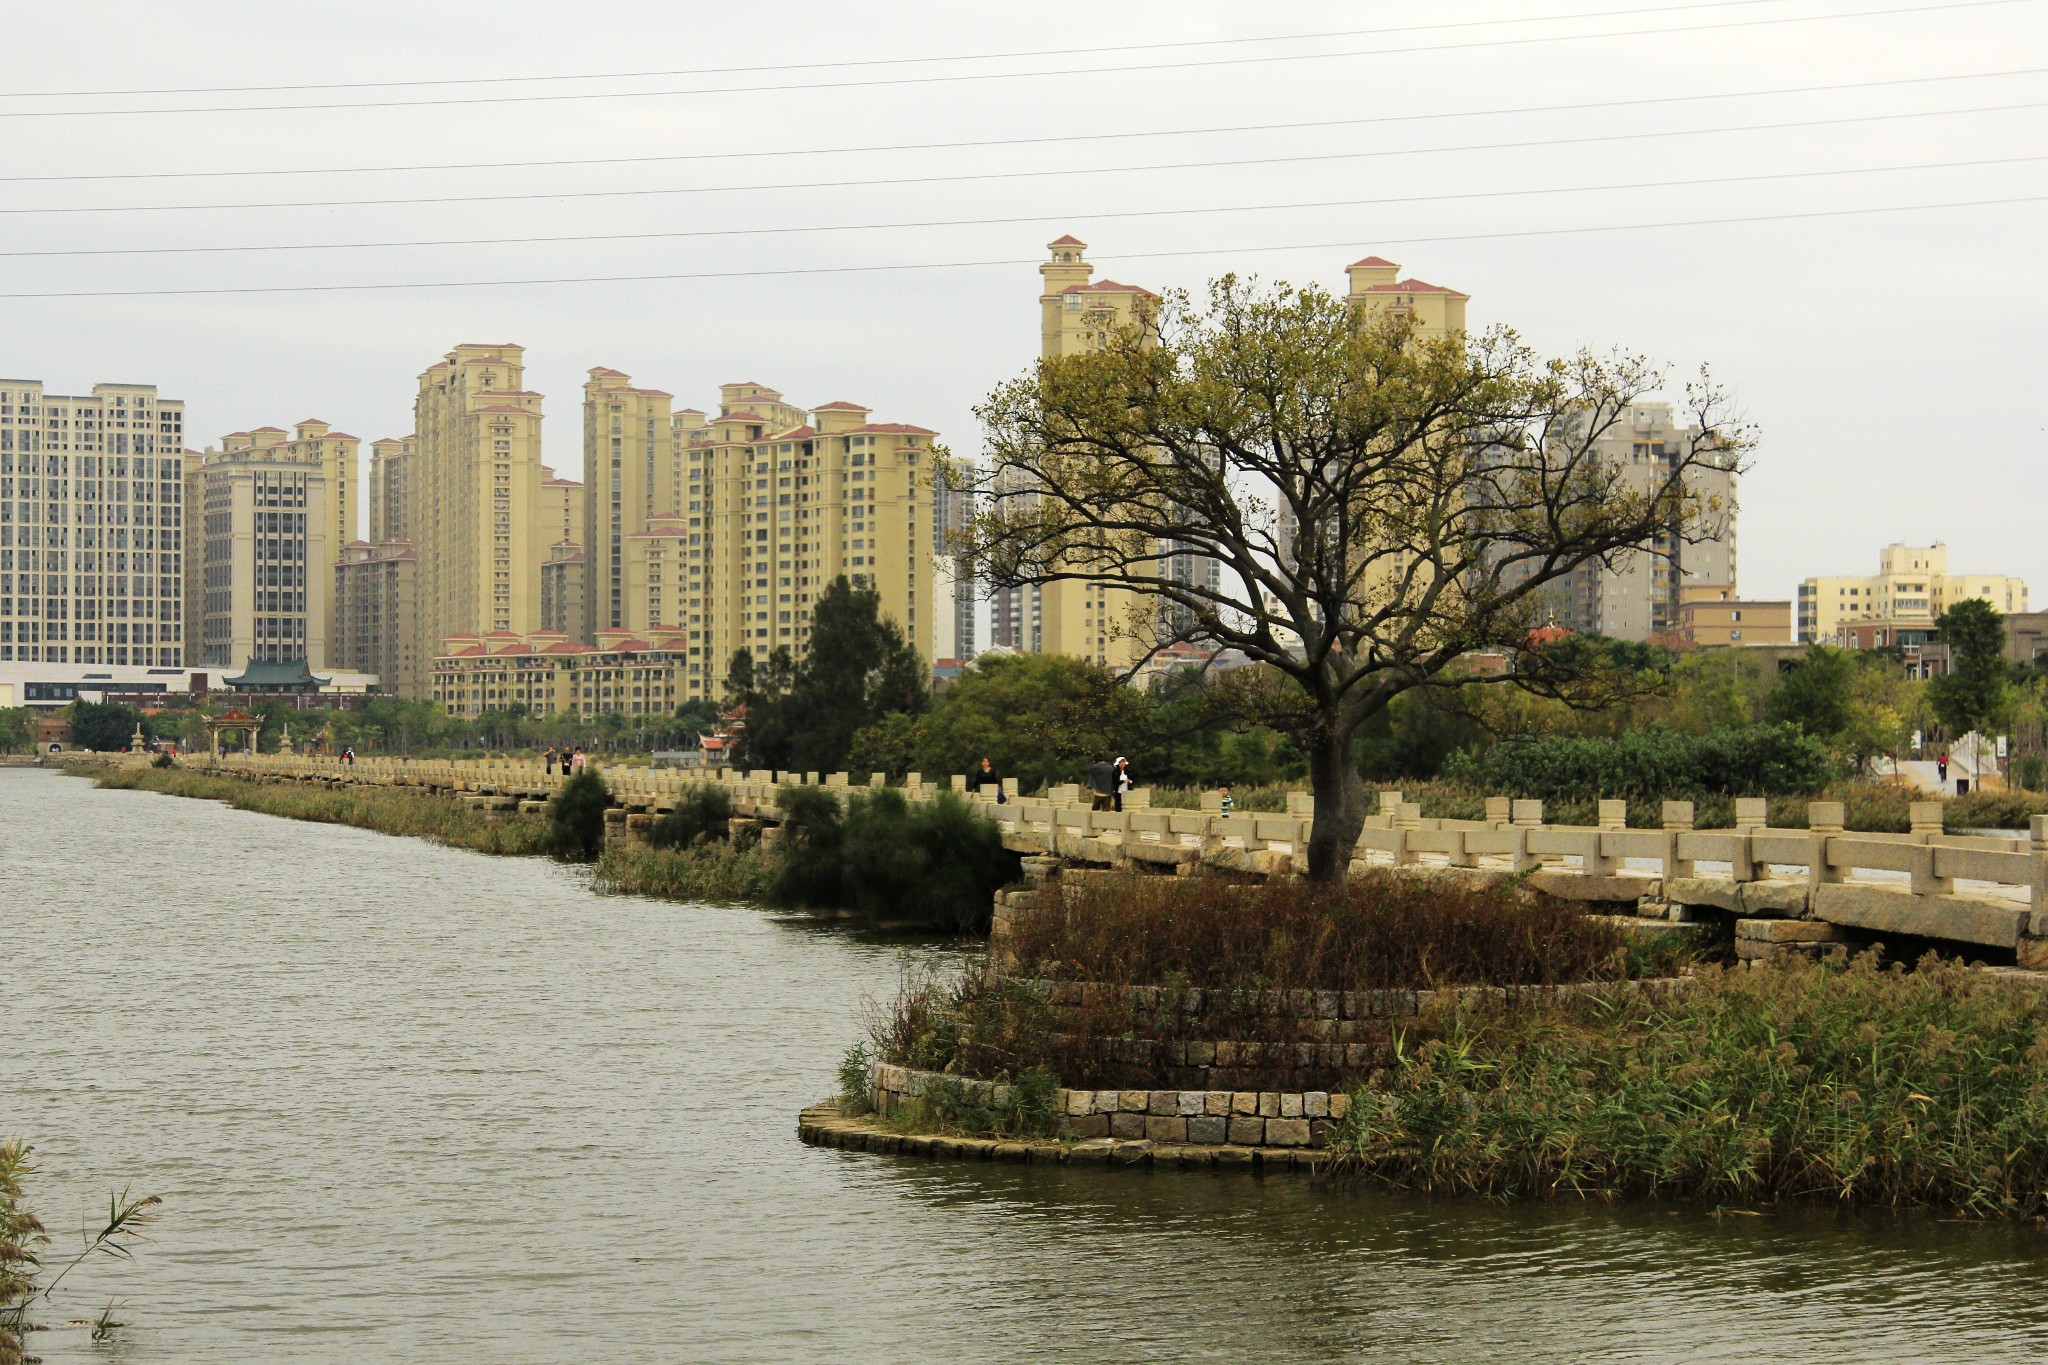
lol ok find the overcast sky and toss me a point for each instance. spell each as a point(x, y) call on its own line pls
point(1891, 359)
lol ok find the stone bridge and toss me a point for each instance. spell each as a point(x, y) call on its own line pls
point(1788, 889)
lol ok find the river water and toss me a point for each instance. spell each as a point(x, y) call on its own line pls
point(408, 1104)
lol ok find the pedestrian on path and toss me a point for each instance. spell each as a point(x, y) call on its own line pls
point(1226, 804)
point(549, 758)
point(578, 760)
point(1123, 779)
point(1941, 767)
point(348, 755)
point(986, 778)
point(1102, 784)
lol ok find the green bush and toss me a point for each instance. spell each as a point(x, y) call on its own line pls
point(575, 829)
point(936, 865)
point(703, 812)
point(1993, 810)
point(163, 761)
point(1651, 765)
point(710, 871)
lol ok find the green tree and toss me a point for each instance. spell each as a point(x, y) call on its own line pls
point(104, 726)
point(1435, 491)
point(1814, 692)
point(1977, 689)
point(17, 728)
point(858, 669)
point(1039, 718)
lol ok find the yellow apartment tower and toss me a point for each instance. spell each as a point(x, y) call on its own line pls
point(630, 462)
point(376, 600)
point(260, 570)
point(474, 506)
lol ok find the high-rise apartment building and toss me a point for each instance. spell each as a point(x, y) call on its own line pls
point(262, 546)
point(953, 634)
point(474, 500)
point(376, 600)
point(778, 506)
point(390, 469)
point(562, 605)
point(91, 526)
point(630, 461)
point(1637, 595)
point(561, 508)
point(1912, 586)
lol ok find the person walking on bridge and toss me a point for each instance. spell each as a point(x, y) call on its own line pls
point(1123, 779)
point(1102, 784)
point(985, 778)
point(549, 759)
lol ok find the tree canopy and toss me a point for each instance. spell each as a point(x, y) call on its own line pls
point(1976, 692)
point(803, 715)
point(1381, 503)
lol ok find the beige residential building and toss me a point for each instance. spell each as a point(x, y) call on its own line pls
point(561, 508)
point(92, 517)
point(473, 495)
point(1639, 594)
point(376, 599)
point(630, 459)
point(552, 675)
point(657, 575)
point(387, 492)
point(260, 574)
point(1912, 585)
point(1713, 617)
point(778, 506)
point(562, 605)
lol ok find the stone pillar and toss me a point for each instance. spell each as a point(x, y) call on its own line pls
point(1499, 811)
point(1926, 818)
point(1823, 821)
point(1526, 814)
point(1613, 814)
point(1677, 821)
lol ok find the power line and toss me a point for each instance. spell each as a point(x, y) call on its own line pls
point(1040, 141)
point(1599, 138)
point(1012, 262)
point(899, 81)
point(887, 61)
point(1066, 216)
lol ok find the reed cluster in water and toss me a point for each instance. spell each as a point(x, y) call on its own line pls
point(1842, 1080)
point(386, 810)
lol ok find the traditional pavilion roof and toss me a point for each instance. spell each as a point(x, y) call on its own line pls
point(291, 673)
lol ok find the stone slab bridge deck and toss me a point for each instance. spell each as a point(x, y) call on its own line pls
point(1788, 889)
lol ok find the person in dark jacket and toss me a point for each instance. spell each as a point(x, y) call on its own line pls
point(1102, 784)
point(985, 778)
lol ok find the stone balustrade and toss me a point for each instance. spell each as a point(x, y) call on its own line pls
point(1986, 891)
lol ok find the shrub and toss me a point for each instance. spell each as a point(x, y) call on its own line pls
point(1651, 764)
point(1836, 1080)
point(855, 1084)
point(703, 872)
point(575, 828)
point(1027, 1106)
point(1993, 810)
point(702, 812)
point(1385, 930)
point(936, 864)
point(163, 761)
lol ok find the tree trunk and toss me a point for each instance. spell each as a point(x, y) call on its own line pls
point(1340, 804)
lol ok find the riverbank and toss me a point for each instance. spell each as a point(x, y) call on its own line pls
point(385, 810)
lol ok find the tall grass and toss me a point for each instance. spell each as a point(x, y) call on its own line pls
point(1384, 930)
point(385, 810)
point(26, 1280)
point(1838, 1080)
point(705, 871)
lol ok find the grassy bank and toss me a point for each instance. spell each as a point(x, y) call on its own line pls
point(1840, 1081)
point(383, 809)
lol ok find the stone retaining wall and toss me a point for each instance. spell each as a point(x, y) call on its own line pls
point(1244, 1118)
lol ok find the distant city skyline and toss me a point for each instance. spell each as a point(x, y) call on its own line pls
point(1850, 339)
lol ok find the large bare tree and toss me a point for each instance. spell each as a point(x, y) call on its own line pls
point(1382, 504)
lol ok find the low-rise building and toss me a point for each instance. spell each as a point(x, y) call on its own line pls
point(1714, 617)
point(552, 675)
point(1912, 584)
